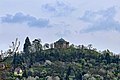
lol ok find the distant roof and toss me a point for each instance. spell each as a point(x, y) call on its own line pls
point(61, 40)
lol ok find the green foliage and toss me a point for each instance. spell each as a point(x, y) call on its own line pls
point(26, 45)
point(71, 63)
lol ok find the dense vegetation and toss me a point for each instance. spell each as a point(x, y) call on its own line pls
point(73, 63)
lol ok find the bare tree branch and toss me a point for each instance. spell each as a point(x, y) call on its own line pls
point(14, 47)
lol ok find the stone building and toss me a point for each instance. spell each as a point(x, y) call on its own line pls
point(61, 44)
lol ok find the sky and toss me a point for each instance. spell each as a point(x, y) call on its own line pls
point(81, 22)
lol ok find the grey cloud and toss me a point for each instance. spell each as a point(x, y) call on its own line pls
point(21, 18)
point(101, 20)
point(58, 9)
point(90, 16)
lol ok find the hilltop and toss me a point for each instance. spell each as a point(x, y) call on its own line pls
point(59, 61)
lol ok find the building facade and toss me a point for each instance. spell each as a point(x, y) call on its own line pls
point(61, 44)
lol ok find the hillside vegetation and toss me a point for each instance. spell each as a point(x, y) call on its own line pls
point(73, 63)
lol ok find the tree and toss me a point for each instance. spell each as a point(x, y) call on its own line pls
point(10, 52)
point(78, 75)
point(36, 48)
point(107, 55)
point(68, 73)
point(24, 74)
point(26, 45)
point(90, 46)
point(16, 60)
point(37, 45)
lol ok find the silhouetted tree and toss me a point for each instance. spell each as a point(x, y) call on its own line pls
point(68, 73)
point(78, 75)
point(26, 45)
point(25, 74)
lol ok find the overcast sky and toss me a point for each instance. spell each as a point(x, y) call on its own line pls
point(84, 22)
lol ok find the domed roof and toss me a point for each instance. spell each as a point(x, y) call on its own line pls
point(61, 40)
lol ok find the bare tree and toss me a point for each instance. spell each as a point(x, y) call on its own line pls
point(89, 46)
point(13, 49)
